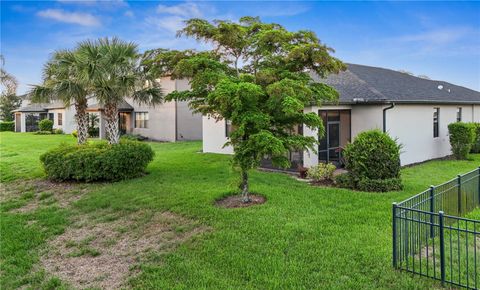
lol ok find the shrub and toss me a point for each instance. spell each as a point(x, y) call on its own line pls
point(97, 161)
point(45, 125)
point(380, 185)
point(321, 171)
point(7, 126)
point(373, 156)
point(461, 136)
point(93, 132)
point(345, 180)
point(43, 133)
point(75, 133)
point(134, 137)
point(58, 131)
point(476, 141)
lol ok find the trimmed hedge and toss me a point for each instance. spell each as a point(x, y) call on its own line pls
point(345, 180)
point(380, 185)
point(134, 137)
point(45, 125)
point(7, 126)
point(462, 136)
point(97, 161)
point(476, 142)
point(373, 162)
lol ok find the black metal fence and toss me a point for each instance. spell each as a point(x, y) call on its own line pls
point(432, 239)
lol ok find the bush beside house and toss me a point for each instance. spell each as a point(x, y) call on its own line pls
point(321, 172)
point(97, 161)
point(45, 125)
point(462, 137)
point(7, 126)
point(373, 163)
point(476, 141)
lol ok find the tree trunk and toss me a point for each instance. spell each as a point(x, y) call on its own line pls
point(111, 124)
point(82, 121)
point(244, 186)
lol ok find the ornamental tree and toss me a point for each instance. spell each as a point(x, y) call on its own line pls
point(258, 76)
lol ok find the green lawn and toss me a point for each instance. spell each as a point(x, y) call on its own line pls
point(304, 237)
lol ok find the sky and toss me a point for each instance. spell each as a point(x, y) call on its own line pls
point(438, 39)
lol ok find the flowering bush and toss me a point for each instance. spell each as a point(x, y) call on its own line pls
point(321, 171)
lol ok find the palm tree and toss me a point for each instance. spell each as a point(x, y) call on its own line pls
point(61, 81)
point(8, 81)
point(112, 68)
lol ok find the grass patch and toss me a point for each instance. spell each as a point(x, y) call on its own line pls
point(302, 237)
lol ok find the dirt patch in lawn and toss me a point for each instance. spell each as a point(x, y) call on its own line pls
point(426, 253)
point(36, 192)
point(103, 255)
point(235, 201)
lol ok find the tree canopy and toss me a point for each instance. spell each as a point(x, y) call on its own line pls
point(258, 76)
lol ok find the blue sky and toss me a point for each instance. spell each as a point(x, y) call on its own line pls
point(437, 39)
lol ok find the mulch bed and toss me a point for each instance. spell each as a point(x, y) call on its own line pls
point(235, 201)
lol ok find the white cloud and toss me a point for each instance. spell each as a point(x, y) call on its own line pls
point(168, 23)
point(187, 9)
point(438, 36)
point(84, 19)
point(171, 18)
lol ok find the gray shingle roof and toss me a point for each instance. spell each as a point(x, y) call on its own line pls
point(374, 84)
point(35, 107)
point(122, 106)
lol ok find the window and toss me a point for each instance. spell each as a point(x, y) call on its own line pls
point(50, 116)
point(459, 114)
point(141, 120)
point(59, 119)
point(228, 128)
point(436, 119)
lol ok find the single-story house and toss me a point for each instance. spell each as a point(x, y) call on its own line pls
point(414, 110)
point(169, 121)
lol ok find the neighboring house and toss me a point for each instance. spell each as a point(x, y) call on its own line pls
point(169, 121)
point(414, 110)
point(28, 116)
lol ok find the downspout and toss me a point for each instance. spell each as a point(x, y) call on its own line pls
point(392, 105)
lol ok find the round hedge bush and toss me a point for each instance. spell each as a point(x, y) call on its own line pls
point(45, 125)
point(373, 162)
point(97, 161)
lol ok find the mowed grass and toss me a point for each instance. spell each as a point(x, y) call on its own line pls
point(303, 237)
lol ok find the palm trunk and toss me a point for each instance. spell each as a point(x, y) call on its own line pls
point(82, 121)
point(111, 126)
point(244, 186)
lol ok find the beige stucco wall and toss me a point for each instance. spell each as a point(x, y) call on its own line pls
point(411, 124)
point(161, 123)
point(189, 125)
point(169, 121)
point(214, 136)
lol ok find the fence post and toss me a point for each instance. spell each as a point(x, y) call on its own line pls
point(432, 210)
point(394, 231)
point(459, 187)
point(442, 247)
